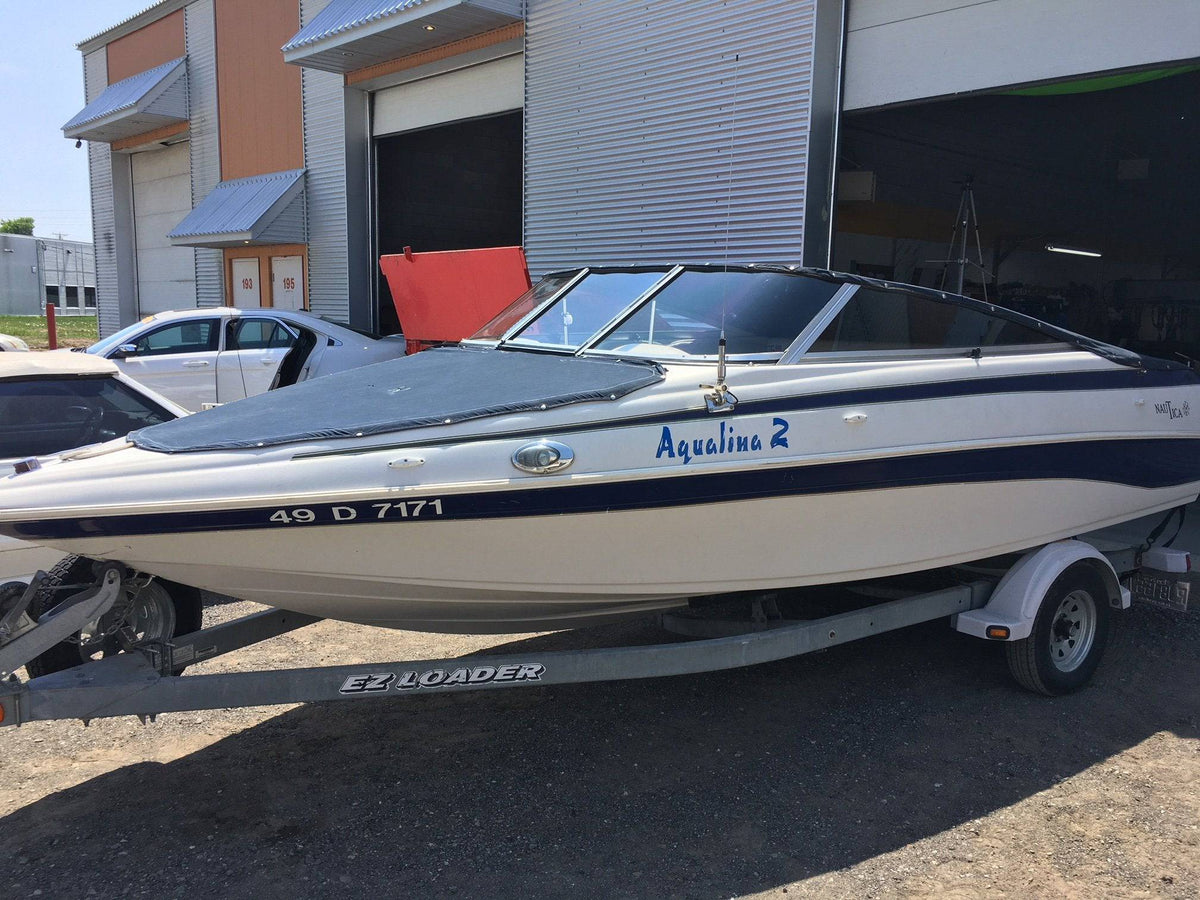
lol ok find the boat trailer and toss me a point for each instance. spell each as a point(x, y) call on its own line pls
point(147, 678)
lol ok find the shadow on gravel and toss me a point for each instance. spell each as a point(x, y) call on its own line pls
point(712, 785)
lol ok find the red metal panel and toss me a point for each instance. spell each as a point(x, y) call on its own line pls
point(448, 295)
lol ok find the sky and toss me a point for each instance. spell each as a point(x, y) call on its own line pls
point(41, 87)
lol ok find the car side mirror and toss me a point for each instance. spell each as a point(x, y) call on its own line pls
point(124, 351)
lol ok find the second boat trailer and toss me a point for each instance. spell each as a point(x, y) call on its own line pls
point(1051, 608)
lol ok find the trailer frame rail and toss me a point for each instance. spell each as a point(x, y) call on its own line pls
point(145, 682)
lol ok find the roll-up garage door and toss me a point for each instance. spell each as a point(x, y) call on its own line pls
point(480, 90)
point(668, 131)
point(162, 196)
point(448, 163)
point(897, 52)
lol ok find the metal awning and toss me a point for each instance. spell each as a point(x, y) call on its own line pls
point(353, 34)
point(261, 209)
point(141, 103)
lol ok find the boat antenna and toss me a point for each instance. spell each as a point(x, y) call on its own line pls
point(737, 67)
point(721, 399)
point(737, 58)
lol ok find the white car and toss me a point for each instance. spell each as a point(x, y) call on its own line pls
point(8, 342)
point(201, 357)
point(52, 402)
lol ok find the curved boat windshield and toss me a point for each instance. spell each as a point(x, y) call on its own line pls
point(761, 313)
point(675, 313)
point(507, 318)
point(580, 313)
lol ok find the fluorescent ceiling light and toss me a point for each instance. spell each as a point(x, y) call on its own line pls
point(1074, 251)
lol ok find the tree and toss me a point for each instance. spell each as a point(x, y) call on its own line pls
point(23, 225)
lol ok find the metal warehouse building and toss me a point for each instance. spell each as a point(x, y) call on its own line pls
point(35, 271)
point(267, 152)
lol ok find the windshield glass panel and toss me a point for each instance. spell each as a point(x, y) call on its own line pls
point(889, 320)
point(581, 312)
point(761, 313)
point(521, 307)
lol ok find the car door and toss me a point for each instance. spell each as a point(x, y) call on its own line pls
point(254, 348)
point(178, 359)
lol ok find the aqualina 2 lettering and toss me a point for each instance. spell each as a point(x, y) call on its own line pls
point(725, 440)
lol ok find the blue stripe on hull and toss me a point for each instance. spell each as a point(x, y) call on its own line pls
point(1142, 463)
point(1056, 382)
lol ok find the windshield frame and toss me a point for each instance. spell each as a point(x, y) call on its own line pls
point(806, 336)
point(511, 339)
point(798, 351)
point(570, 282)
point(801, 350)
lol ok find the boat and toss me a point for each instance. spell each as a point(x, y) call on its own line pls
point(621, 439)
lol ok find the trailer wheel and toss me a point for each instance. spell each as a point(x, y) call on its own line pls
point(157, 611)
point(11, 590)
point(1069, 635)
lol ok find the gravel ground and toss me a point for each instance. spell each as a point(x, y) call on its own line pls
point(903, 765)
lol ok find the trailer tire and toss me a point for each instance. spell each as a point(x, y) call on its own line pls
point(182, 617)
point(1069, 634)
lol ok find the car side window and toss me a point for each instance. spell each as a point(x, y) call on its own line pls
point(181, 337)
point(893, 320)
point(258, 334)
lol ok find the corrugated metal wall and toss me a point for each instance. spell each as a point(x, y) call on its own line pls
point(325, 162)
point(95, 80)
point(635, 110)
point(287, 225)
point(200, 36)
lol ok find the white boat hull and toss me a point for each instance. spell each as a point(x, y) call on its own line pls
point(837, 474)
point(478, 576)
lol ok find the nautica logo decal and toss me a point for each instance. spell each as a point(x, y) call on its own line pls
point(1170, 409)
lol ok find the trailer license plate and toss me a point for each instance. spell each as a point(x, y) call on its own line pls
point(1161, 589)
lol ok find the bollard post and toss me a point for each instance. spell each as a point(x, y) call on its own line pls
point(51, 326)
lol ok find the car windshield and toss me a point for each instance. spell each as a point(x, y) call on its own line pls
point(663, 313)
point(124, 336)
point(39, 416)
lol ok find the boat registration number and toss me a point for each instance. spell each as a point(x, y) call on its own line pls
point(398, 509)
point(1161, 589)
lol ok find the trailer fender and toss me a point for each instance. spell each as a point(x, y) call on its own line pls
point(1015, 602)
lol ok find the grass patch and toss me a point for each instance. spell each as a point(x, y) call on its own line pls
point(73, 331)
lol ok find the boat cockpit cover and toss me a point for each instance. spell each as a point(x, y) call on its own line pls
point(437, 387)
